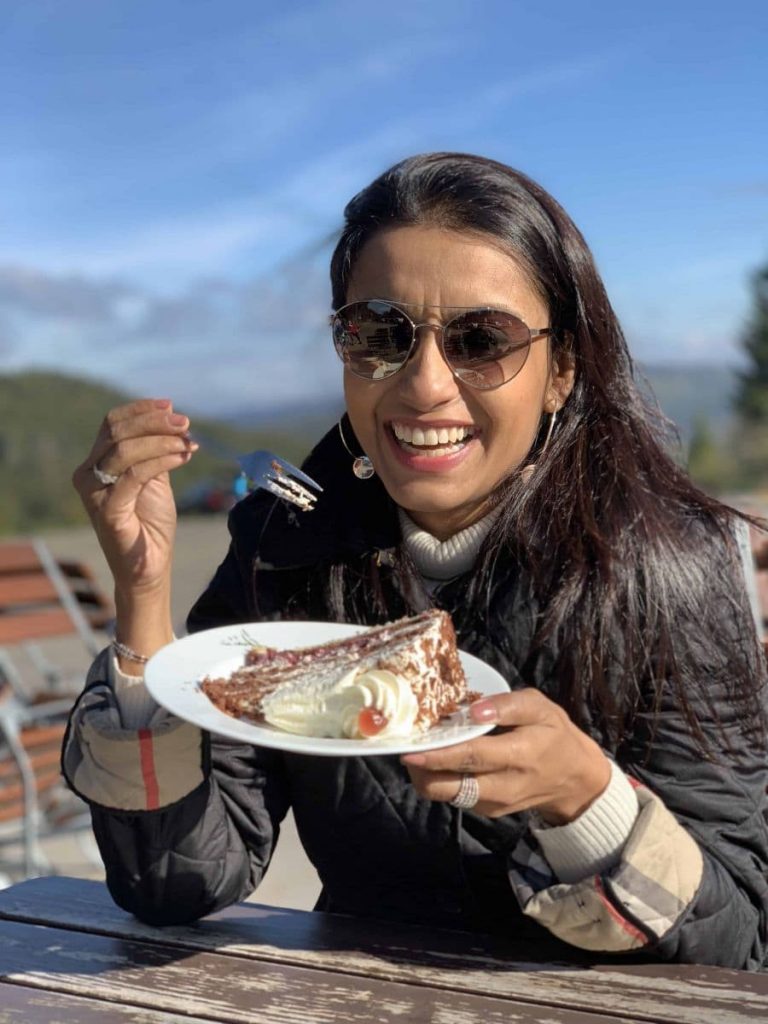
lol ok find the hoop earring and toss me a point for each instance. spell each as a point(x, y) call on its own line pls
point(362, 467)
point(549, 432)
point(527, 471)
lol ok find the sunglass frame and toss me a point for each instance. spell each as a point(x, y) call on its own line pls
point(533, 335)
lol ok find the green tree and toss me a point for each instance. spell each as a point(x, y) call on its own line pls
point(707, 463)
point(751, 401)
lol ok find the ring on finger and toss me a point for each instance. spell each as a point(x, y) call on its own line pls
point(106, 479)
point(468, 793)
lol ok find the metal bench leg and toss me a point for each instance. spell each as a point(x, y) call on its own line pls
point(32, 858)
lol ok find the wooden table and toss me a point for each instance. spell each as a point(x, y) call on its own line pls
point(68, 954)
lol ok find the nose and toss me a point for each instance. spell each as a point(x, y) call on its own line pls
point(426, 380)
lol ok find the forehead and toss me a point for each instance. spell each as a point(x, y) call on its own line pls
point(428, 266)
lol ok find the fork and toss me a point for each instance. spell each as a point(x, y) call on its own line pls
point(264, 469)
point(267, 470)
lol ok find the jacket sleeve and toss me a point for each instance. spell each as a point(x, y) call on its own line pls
point(186, 822)
point(692, 881)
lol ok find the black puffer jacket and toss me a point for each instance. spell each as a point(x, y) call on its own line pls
point(691, 885)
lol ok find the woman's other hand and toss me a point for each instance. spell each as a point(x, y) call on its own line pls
point(537, 759)
point(135, 516)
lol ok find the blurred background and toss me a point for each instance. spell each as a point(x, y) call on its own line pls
point(172, 180)
point(174, 174)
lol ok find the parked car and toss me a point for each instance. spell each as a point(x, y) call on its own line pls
point(205, 497)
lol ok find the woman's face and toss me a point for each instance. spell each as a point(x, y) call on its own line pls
point(429, 269)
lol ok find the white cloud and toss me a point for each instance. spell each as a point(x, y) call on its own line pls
point(213, 344)
point(172, 249)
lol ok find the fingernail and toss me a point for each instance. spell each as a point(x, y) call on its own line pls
point(177, 420)
point(162, 403)
point(414, 759)
point(483, 711)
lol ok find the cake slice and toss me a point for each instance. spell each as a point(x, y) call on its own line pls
point(393, 680)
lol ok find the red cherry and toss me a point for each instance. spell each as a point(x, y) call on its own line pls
point(370, 722)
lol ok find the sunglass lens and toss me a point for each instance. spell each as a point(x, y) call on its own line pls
point(372, 338)
point(485, 348)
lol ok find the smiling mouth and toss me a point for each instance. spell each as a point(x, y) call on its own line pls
point(432, 441)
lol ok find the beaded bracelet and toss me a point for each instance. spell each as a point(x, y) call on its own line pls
point(128, 653)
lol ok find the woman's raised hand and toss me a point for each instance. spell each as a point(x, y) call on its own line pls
point(135, 517)
point(537, 759)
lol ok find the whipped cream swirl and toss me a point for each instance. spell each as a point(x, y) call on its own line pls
point(333, 710)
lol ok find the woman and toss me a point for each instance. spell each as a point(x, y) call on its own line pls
point(519, 484)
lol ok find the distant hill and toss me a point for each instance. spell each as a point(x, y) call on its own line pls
point(687, 393)
point(309, 419)
point(683, 392)
point(48, 422)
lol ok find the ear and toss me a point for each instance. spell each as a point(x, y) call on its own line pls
point(562, 377)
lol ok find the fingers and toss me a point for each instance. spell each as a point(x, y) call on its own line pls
point(494, 796)
point(142, 419)
point(537, 758)
point(501, 762)
point(520, 707)
point(500, 752)
point(135, 443)
point(127, 455)
point(513, 712)
point(130, 482)
point(442, 786)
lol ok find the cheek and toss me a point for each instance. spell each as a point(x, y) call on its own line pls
point(513, 418)
point(517, 405)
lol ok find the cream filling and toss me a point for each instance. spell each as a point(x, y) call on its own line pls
point(317, 709)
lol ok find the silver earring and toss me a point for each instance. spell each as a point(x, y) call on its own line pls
point(527, 471)
point(549, 432)
point(362, 467)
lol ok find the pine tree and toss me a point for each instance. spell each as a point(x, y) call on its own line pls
point(751, 401)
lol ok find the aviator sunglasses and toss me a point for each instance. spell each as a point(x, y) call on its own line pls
point(484, 348)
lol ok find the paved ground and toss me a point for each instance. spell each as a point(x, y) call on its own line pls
point(201, 544)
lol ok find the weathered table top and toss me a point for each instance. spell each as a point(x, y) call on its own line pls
point(67, 953)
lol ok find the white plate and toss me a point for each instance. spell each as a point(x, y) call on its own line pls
point(173, 678)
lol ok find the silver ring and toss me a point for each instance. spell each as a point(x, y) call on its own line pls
point(468, 794)
point(107, 479)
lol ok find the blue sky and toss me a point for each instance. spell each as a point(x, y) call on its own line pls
point(173, 170)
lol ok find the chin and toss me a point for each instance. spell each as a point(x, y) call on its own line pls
point(417, 503)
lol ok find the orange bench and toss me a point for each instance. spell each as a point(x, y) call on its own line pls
point(42, 744)
point(42, 597)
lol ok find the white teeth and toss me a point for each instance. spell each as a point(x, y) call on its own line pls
point(432, 442)
point(432, 436)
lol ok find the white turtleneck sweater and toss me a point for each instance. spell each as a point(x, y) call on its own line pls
point(588, 846)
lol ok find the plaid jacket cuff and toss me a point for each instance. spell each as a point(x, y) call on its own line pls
point(128, 769)
point(635, 903)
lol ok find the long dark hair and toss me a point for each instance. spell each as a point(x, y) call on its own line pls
point(617, 539)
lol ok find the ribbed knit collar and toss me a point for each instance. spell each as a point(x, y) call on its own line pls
point(442, 560)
